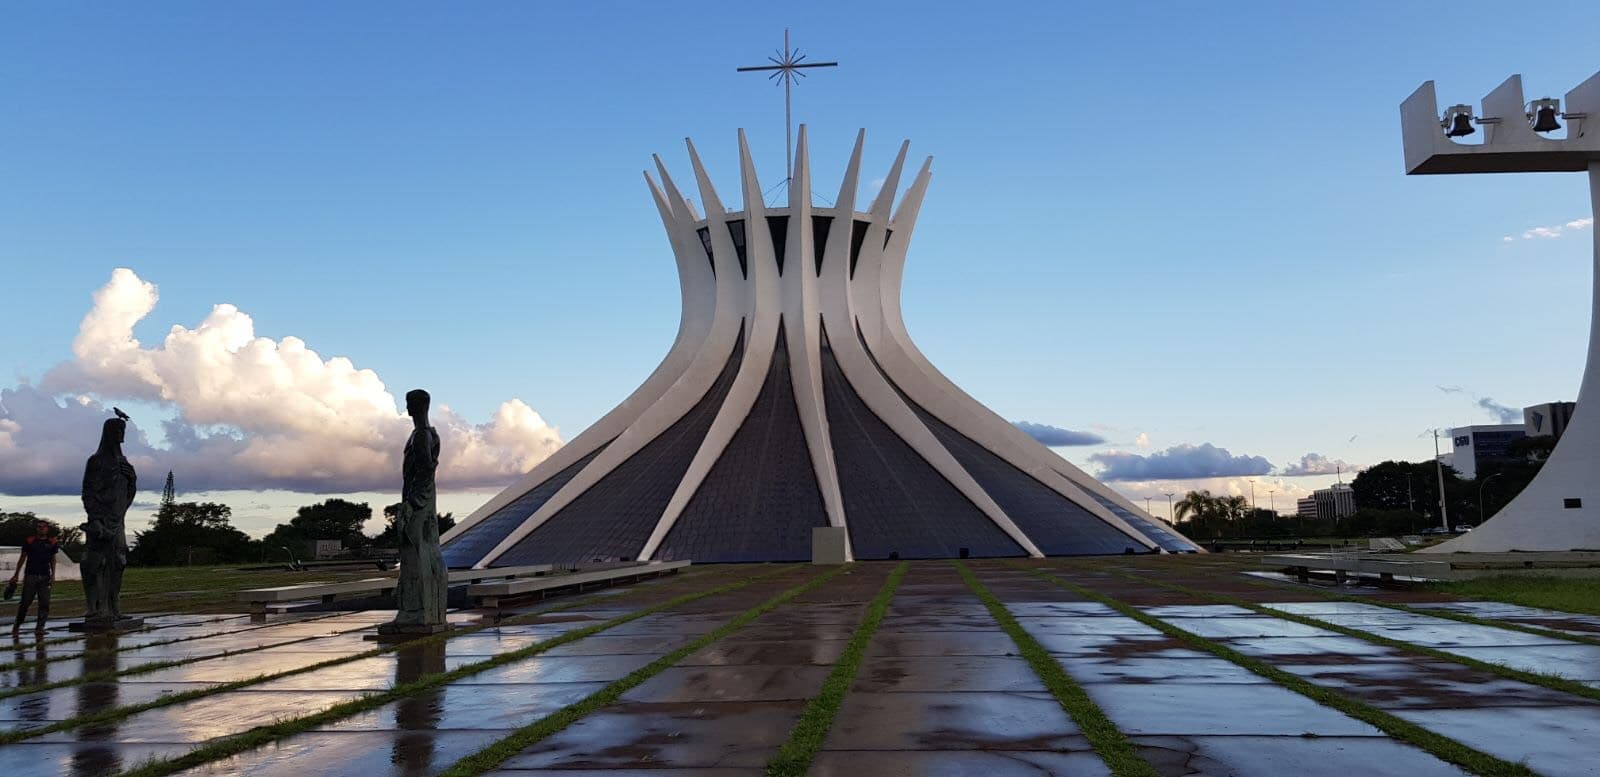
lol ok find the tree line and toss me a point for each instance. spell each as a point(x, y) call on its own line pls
point(1392, 498)
point(185, 533)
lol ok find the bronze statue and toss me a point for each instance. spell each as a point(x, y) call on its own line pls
point(109, 484)
point(422, 590)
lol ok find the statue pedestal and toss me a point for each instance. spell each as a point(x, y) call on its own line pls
point(107, 625)
point(401, 632)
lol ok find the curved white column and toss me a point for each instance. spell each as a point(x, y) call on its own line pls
point(762, 307)
point(1539, 518)
point(694, 323)
point(707, 363)
point(868, 383)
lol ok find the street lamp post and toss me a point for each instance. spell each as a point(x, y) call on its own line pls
point(1480, 495)
point(1170, 516)
point(1272, 502)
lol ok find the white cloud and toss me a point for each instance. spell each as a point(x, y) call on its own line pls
point(1142, 441)
point(1316, 464)
point(250, 412)
point(1551, 232)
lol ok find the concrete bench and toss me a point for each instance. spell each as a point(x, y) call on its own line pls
point(492, 595)
point(260, 598)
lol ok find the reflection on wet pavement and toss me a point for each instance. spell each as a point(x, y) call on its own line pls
point(941, 690)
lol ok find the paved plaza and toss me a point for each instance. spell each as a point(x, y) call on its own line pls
point(942, 687)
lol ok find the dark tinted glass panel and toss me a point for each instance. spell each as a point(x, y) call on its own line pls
point(614, 517)
point(705, 242)
point(469, 547)
point(894, 501)
point(858, 235)
point(760, 500)
point(1166, 538)
point(1056, 524)
point(887, 233)
point(820, 225)
point(779, 227)
point(736, 231)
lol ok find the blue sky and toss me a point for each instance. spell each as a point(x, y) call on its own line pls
point(1182, 221)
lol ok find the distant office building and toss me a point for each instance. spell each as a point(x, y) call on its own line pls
point(1547, 420)
point(1334, 502)
point(1473, 447)
point(1307, 507)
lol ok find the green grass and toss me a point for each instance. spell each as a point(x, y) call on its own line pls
point(805, 739)
point(1113, 747)
point(1442, 747)
point(193, 589)
point(1567, 594)
point(167, 700)
point(492, 756)
point(261, 735)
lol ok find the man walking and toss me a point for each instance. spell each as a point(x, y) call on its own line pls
point(37, 565)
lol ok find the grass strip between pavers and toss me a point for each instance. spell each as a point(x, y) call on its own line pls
point(167, 700)
point(1449, 615)
point(1121, 756)
point(261, 735)
point(1440, 746)
point(805, 739)
point(37, 662)
point(155, 666)
point(1553, 682)
point(495, 754)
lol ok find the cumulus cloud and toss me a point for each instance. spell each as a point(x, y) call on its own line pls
point(1315, 464)
point(1180, 462)
point(1552, 231)
point(1500, 413)
point(1142, 441)
point(249, 412)
point(1055, 436)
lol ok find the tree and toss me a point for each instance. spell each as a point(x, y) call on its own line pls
point(389, 539)
point(1414, 486)
point(191, 533)
point(16, 527)
point(335, 519)
point(169, 492)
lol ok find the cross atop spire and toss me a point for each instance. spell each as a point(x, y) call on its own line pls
point(786, 68)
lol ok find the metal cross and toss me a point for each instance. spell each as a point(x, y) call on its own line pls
point(786, 68)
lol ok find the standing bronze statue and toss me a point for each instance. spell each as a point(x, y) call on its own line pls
point(109, 484)
point(422, 590)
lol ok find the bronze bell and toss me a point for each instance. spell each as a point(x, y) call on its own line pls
point(1545, 119)
point(1460, 125)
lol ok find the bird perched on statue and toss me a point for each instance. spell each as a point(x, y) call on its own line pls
point(120, 414)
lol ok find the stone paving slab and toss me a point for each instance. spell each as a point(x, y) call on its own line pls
point(49, 759)
point(946, 763)
point(942, 721)
point(205, 718)
point(356, 754)
point(786, 653)
point(1257, 756)
point(1553, 741)
point(683, 735)
point(747, 683)
point(63, 703)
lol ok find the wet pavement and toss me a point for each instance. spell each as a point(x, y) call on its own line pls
point(941, 689)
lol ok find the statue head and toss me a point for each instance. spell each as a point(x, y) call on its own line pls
point(112, 434)
point(417, 406)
